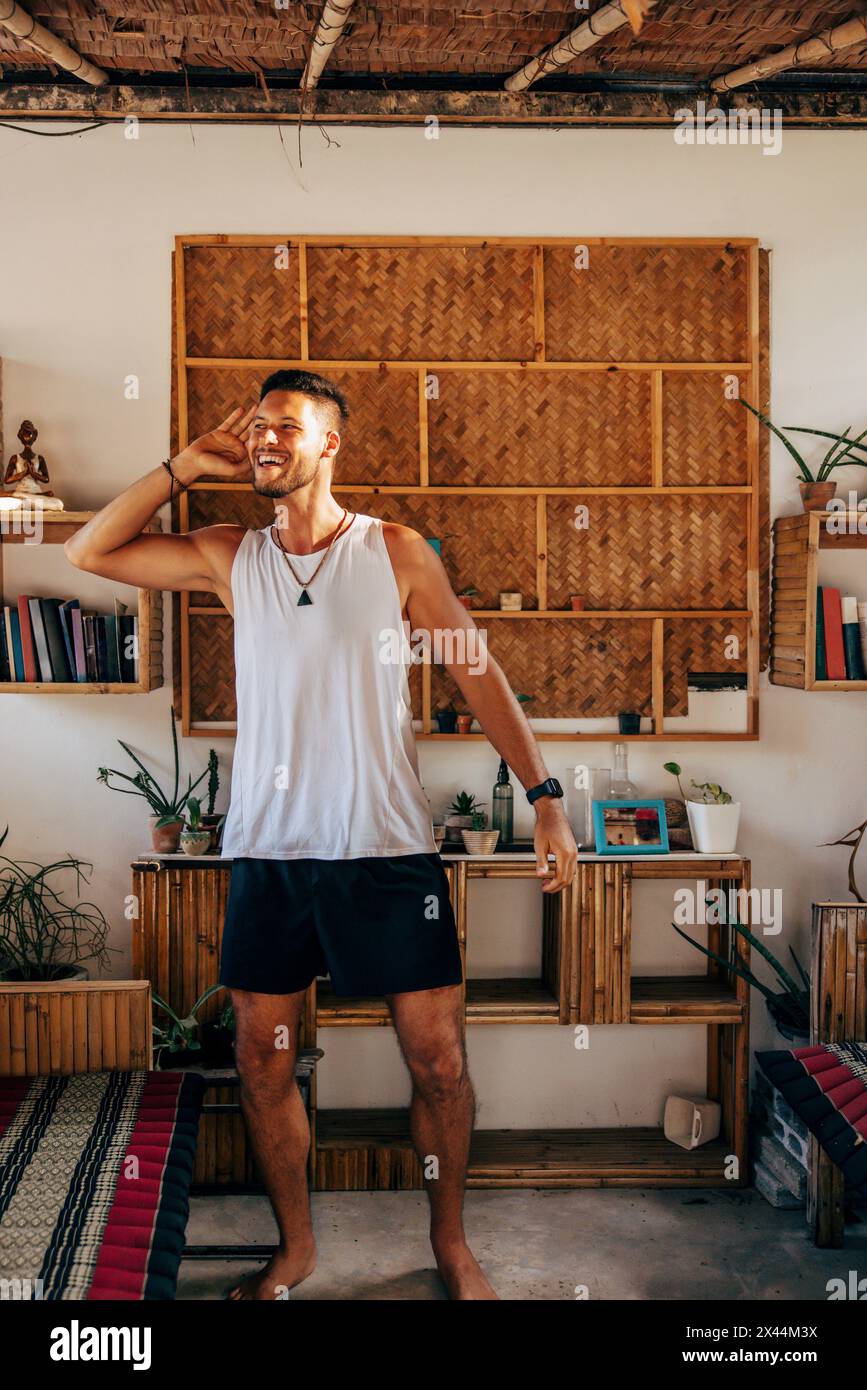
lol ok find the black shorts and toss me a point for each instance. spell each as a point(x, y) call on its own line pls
point(375, 925)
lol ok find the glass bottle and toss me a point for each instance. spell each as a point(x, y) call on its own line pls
point(621, 787)
point(502, 805)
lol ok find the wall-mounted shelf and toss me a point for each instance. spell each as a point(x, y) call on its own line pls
point(58, 527)
point(798, 542)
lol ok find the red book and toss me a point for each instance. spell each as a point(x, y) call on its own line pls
point(30, 673)
point(834, 651)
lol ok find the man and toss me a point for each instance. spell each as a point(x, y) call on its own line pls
point(335, 867)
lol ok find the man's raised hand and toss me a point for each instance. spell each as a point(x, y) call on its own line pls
point(221, 453)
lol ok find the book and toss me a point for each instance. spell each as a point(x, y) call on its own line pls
point(101, 646)
point(88, 622)
point(852, 639)
point(4, 654)
point(862, 628)
point(108, 622)
point(128, 633)
point(14, 632)
point(60, 668)
point(821, 663)
point(65, 610)
point(834, 654)
point(79, 659)
point(40, 641)
point(27, 652)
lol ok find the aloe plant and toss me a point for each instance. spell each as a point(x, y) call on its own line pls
point(790, 1006)
point(465, 804)
point(838, 454)
point(41, 933)
point(167, 809)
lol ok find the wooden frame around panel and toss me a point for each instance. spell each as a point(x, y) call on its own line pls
point(749, 368)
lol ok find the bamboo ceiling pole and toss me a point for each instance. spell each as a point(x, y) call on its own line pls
point(560, 54)
point(797, 55)
point(26, 28)
point(332, 22)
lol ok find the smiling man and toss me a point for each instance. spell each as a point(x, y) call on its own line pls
point(335, 867)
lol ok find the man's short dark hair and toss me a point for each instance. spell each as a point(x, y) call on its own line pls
point(318, 388)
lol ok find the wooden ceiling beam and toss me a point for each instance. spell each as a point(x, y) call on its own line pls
point(600, 24)
point(332, 23)
point(35, 35)
point(798, 55)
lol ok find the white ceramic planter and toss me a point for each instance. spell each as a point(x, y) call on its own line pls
point(480, 841)
point(714, 828)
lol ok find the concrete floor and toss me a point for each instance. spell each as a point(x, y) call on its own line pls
point(630, 1244)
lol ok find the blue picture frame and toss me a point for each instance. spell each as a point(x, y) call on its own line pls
point(602, 845)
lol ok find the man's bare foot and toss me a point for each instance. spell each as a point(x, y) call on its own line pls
point(283, 1271)
point(461, 1273)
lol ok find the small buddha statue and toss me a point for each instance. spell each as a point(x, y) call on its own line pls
point(26, 476)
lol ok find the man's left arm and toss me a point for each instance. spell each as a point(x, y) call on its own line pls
point(438, 618)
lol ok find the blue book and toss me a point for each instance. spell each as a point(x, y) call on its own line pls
point(66, 630)
point(17, 662)
point(4, 654)
point(60, 668)
point(821, 661)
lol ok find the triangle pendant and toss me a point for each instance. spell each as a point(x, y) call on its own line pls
point(304, 599)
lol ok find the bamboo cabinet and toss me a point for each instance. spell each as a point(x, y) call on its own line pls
point(584, 978)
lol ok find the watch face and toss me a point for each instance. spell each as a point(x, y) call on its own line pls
point(556, 789)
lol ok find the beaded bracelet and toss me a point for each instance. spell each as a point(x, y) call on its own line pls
point(167, 465)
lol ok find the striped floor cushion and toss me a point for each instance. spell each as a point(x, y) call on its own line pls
point(95, 1173)
point(827, 1086)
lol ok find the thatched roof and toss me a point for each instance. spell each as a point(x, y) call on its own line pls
point(470, 39)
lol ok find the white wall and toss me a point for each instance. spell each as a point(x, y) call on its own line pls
point(85, 239)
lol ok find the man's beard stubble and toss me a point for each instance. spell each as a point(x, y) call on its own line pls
point(288, 481)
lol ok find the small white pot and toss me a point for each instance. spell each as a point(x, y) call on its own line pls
point(714, 828)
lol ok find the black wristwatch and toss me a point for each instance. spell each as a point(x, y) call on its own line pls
point(550, 787)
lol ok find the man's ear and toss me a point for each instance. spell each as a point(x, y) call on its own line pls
point(332, 444)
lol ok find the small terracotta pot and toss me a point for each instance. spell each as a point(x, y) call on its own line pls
point(165, 838)
point(816, 496)
point(213, 825)
point(578, 602)
point(464, 723)
point(465, 599)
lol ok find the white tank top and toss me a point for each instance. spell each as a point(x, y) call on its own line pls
point(325, 762)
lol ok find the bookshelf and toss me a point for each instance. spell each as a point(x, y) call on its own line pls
point(58, 527)
point(798, 541)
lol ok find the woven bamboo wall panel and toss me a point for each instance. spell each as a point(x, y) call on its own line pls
point(704, 434)
point(646, 304)
point(700, 645)
point(519, 429)
point(240, 303)
point(591, 668)
point(212, 669)
point(648, 552)
point(489, 542)
point(378, 445)
point(440, 303)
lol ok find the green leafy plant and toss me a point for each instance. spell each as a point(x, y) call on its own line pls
point(41, 934)
point(838, 454)
point(524, 699)
point(712, 793)
point(213, 780)
point(194, 813)
point(478, 820)
point(790, 1006)
point(167, 809)
point(465, 804)
point(467, 593)
point(180, 1034)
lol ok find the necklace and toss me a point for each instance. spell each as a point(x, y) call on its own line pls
point(305, 598)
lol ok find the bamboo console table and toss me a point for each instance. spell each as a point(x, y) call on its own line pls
point(585, 978)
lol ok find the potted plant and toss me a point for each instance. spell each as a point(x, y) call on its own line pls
point(713, 816)
point(460, 816)
point(577, 602)
point(523, 699)
point(166, 823)
point(478, 840)
point(816, 490)
point(465, 595)
point(210, 820)
point(42, 935)
point(195, 837)
point(179, 1039)
point(446, 719)
point(789, 1007)
point(465, 722)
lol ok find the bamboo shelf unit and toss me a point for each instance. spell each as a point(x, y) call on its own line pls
point(59, 526)
point(798, 541)
point(495, 388)
point(585, 978)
